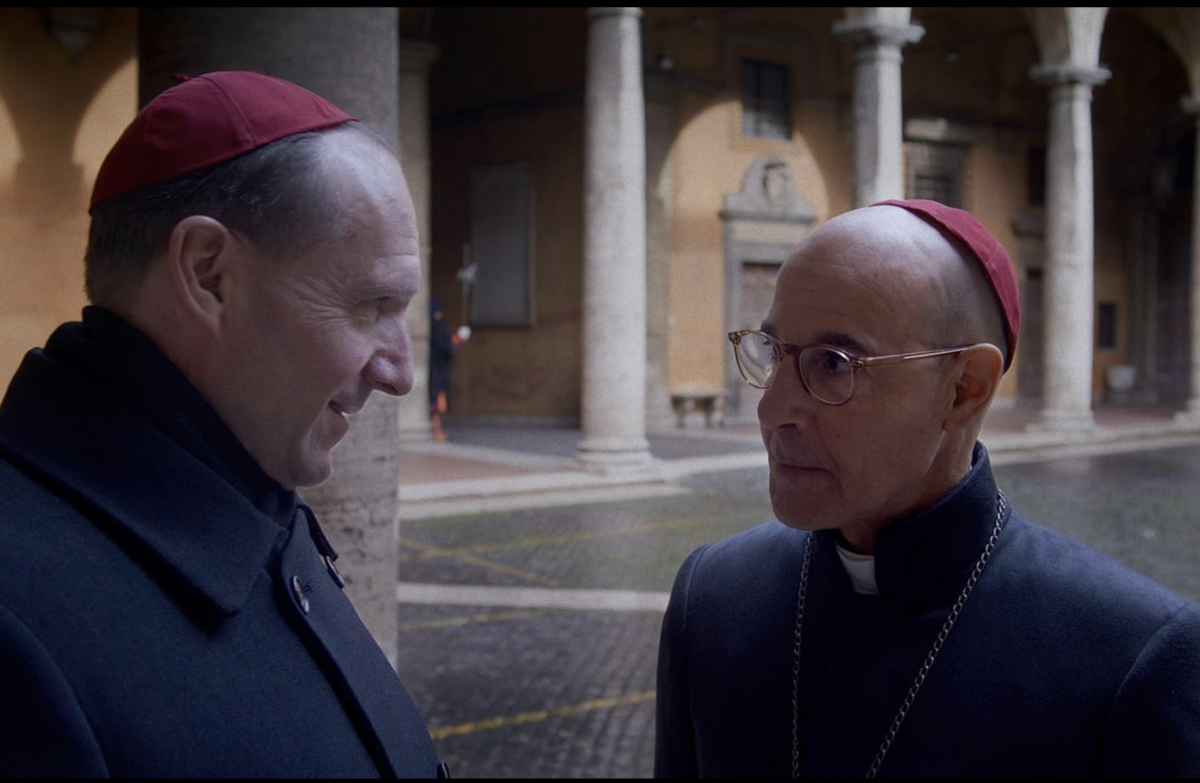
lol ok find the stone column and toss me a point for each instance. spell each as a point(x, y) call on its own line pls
point(416, 57)
point(878, 34)
point(1192, 414)
point(661, 100)
point(614, 252)
point(1069, 299)
point(348, 55)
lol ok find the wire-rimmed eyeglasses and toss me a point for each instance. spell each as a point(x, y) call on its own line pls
point(827, 372)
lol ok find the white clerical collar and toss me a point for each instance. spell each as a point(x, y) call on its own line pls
point(860, 569)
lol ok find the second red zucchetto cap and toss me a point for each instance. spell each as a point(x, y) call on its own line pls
point(207, 120)
point(997, 266)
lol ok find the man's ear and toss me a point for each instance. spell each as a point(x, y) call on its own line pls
point(978, 370)
point(200, 256)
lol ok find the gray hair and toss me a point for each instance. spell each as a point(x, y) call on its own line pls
point(275, 197)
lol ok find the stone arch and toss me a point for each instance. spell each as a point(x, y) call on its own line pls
point(48, 91)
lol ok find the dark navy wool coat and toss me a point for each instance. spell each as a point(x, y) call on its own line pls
point(164, 607)
point(1061, 663)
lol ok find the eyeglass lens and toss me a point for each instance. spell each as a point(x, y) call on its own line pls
point(826, 373)
point(758, 358)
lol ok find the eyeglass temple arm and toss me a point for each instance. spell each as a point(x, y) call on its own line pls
point(907, 357)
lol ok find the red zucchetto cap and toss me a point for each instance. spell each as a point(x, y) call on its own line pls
point(997, 266)
point(207, 120)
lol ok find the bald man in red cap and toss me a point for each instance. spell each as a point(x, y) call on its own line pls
point(169, 607)
point(900, 619)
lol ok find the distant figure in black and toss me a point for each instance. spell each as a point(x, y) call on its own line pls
point(441, 364)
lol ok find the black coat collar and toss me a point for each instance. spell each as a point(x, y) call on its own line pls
point(930, 551)
point(103, 416)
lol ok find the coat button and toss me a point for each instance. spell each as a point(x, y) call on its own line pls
point(298, 592)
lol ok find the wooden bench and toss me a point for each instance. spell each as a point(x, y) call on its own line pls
point(701, 399)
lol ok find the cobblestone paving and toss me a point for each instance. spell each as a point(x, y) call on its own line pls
point(1142, 509)
point(535, 693)
point(570, 693)
point(549, 693)
point(632, 545)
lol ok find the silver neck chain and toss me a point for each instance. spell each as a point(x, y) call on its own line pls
point(925, 667)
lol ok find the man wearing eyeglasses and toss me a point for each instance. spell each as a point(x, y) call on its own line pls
point(901, 619)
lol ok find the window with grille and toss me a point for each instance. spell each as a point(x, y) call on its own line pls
point(1037, 176)
point(936, 171)
point(502, 201)
point(1106, 327)
point(765, 100)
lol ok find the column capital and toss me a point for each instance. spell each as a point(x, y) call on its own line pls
point(417, 56)
point(858, 31)
point(1055, 74)
point(595, 13)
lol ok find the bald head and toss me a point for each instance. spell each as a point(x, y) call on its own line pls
point(915, 269)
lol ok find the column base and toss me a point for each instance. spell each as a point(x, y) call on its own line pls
point(1064, 422)
point(1191, 414)
point(608, 455)
point(412, 413)
point(415, 433)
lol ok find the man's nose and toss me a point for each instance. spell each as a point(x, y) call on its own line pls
point(786, 400)
point(390, 369)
